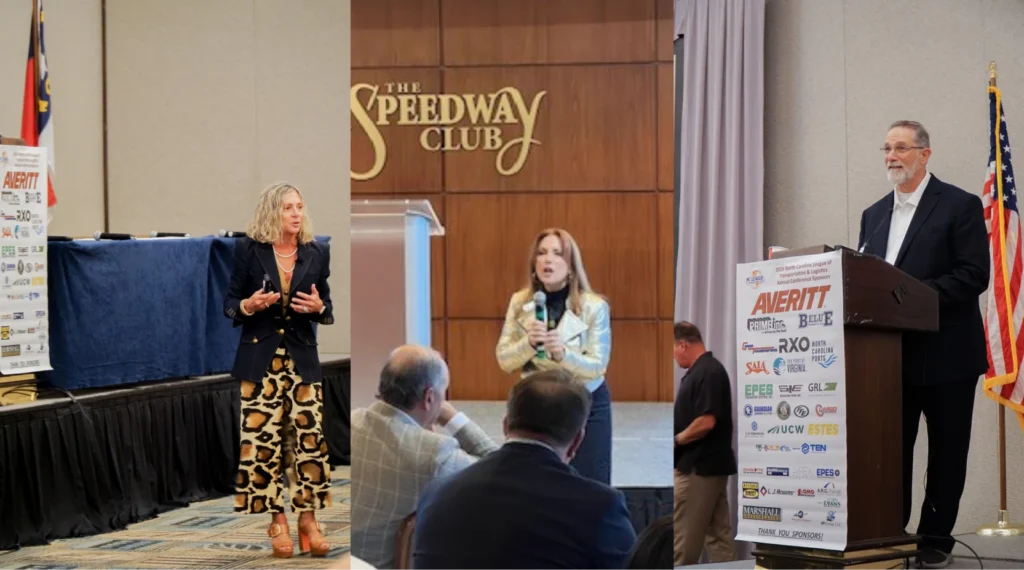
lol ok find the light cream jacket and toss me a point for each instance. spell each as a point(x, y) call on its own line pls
point(587, 338)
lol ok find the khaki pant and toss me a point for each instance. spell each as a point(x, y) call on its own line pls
point(701, 518)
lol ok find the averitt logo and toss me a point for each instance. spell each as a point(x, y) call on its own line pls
point(790, 300)
point(816, 320)
point(758, 391)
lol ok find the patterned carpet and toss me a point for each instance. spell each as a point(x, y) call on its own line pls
point(204, 535)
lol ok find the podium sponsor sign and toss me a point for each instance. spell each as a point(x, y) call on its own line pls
point(791, 402)
point(24, 322)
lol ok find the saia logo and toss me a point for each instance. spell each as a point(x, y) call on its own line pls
point(756, 368)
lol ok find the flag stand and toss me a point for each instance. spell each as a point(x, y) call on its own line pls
point(1002, 526)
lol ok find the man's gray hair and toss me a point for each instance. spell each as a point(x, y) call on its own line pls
point(921, 137)
point(409, 372)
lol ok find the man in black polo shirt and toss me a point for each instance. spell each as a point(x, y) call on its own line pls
point(704, 458)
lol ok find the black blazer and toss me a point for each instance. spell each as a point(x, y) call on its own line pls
point(521, 507)
point(263, 332)
point(946, 248)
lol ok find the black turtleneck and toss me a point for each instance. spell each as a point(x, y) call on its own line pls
point(556, 302)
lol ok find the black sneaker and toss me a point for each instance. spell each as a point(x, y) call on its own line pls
point(932, 558)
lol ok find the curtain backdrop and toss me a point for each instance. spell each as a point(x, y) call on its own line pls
point(720, 168)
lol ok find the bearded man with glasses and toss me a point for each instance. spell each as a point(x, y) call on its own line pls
point(934, 232)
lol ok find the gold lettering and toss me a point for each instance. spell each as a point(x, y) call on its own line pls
point(426, 133)
point(380, 150)
point(404, 104)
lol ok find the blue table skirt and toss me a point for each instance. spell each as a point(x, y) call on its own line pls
point(132, 311)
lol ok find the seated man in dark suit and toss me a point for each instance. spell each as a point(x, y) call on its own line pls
point(523, 506)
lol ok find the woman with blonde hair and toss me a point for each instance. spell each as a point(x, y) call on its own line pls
point(278, 292)
point(576, 336)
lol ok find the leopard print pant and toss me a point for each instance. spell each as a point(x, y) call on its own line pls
point(282, 427)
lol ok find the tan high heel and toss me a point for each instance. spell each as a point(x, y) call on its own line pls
point(311, 539)
point(281, 541)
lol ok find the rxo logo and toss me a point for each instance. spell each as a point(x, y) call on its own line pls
point(796, 344)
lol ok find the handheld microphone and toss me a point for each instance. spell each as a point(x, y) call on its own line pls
point(155, 234)
point(105, 235)
point(229, 233)
point(875, 231)
point(540, 312)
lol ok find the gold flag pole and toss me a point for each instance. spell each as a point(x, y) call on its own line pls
point(1002, 526)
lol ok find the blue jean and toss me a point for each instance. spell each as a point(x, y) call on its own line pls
point(594, 458)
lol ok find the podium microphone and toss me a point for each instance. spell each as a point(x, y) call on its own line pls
point(155, 234)
point(105, 235)
point(229, 233)
point(540, 312)
point(872, 234)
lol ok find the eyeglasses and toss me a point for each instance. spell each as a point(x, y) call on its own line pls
point(900, 149)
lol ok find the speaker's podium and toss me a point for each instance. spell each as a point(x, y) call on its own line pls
point(819, 357)
point(390, 284)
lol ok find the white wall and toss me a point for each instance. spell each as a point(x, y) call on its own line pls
point(837, 73)
point(207, 103)
point(74, 54)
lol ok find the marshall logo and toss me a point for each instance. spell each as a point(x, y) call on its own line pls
point(442, 118)
point(791, 300)
point(762, 513)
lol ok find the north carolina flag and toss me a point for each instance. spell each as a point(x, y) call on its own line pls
point(36, 113)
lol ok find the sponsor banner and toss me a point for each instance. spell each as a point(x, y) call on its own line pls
point(24, 323)
point(791, 402)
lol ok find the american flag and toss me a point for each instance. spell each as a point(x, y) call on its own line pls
point(1005, 312)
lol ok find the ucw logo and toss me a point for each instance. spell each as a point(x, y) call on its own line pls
point(793, 429)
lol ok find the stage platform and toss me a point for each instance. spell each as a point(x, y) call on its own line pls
point(92, 461)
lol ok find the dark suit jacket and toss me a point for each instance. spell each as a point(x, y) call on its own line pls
point(521, 507)
point(946, 248)
point(264, 331)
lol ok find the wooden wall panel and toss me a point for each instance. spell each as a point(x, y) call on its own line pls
point(666, 27)
point(408, 167)
point(395, 33)
point(490, 236)
point(500, 32)
point(602, 167)
point(595, 125)
point(474, 368)
point(439, 336)
point(633, 368)
point(666, 128)
point(666, 256)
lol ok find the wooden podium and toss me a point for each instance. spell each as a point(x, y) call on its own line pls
point(880, 304)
